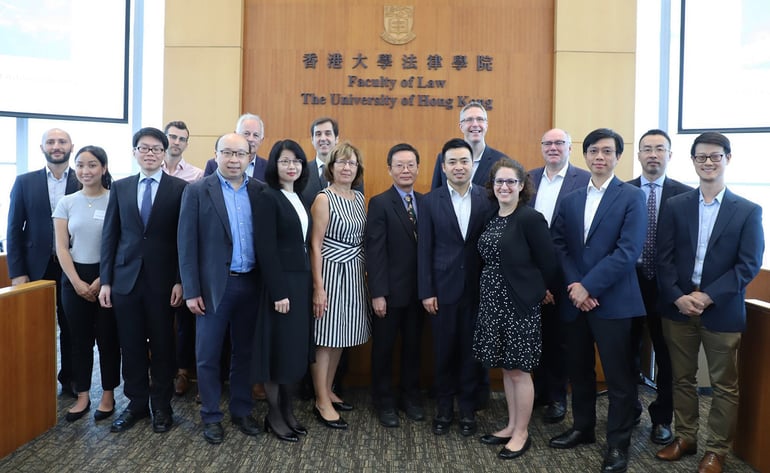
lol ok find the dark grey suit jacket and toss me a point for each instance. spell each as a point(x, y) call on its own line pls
point(575, 178)
point(480, 178)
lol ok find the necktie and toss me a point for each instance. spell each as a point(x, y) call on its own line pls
point(321, 177)
point(410, 212)
point(649, 251)
point(146, 208)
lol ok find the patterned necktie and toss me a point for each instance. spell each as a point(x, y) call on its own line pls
point(146, 208)
point(649, 250)
point(410, 212)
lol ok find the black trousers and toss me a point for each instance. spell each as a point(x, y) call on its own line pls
point(408, 322)
point(89, 322)
point(54, 273)
point(550, 377)
point(185, 338)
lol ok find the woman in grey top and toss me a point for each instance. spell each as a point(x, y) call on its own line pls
point(78, 220)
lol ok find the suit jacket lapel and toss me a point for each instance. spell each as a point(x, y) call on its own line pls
point(693, 219)
point(73, 185)
point(400, 209)
point(607, 200)
point(218, 201)
point(726, 212)
point(445, 201)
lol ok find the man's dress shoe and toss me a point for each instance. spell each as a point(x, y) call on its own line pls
point(711, 463)
point(468, 425)
point(162, 421)
point(676, 450)
point(506, 454)
point(616, 461)
point(213, 432)
point(572, 438)
point(388, 417)
point(181, 384)
point(126, 420)
point(441, 424)
point(490, 439)
point(413, 411)
point(661, 434)
point(247, 424)
point(554, 412)
point(258, 392)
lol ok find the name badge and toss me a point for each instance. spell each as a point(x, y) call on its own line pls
point(99, 214)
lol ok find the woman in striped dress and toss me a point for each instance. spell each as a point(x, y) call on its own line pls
point(340, 300)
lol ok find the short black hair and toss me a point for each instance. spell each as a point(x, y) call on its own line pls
point(151, 132)
point(271, 171)
point(712, 138)
point(402, 147)
point(600, 134)
point(655, 131)
point(455, 143)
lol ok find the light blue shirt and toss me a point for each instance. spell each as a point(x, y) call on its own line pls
point(241, 226)
point(707, 217)
point(658, 190)
point(403, 199)
point(140, 186)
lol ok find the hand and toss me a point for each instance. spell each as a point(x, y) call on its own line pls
point(689, 305)
point(431, 305)
point(589, 304)
point(19, 280)
point(83, 290)
point(703, 298)
point(380, 306)
point(176, 295)
point(196, 305)
point(319, 303)
point(94, 287)
point(105, 296)
point(548, 299)
point(577, 294)
point(282, 306)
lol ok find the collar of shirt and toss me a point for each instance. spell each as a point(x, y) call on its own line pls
point(225, 182)
point(453, 192)
point(658, 181)
point(403, 197)
point(562, 173)
point(717, 198)
point(604, 186)
point(155, 176)
point(63, 177)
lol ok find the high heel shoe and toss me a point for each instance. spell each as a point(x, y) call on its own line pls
point(73, 416)
point(290, 437)
point(334, 424)
point(101, 415)
point(298, 429)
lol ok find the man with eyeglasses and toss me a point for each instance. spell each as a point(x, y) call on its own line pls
point(450, 221)
point(474, 125)
point(140, 280)
point(553, 181)
point(710, 246)
point(391, 266)
point(219, 272)
point(654, 155)
point(598, 232)
point(252, 128)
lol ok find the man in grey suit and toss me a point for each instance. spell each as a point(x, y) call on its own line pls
point(217, 261)
point(31, 253)
point(552, 182)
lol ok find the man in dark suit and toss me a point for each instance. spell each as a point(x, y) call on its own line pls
point(654, 155)
point(448, 264)
point(31, 252)
point(598, 233)
point(552, 182)
point(140, 279)
point(473, 125)
point(391, 266)
point(253, 129)
point(217, 262)
point(710, 246)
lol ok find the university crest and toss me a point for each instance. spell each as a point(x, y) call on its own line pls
point(399, 21)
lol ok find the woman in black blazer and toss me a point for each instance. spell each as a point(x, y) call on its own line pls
point(519, 264)
point(283, 345)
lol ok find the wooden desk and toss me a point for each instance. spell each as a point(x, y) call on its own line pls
point(28, 368)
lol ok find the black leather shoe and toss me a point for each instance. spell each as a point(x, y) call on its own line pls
point(126, 420)
point(661, 434)
point(73, 416)
point(342, 406)
point(572, 438)
point(333, 424)
point(413, 411)
point(490, 439)
point(468, 425)
point(554, 412)
point(162, 421)
point(298, 429)
point(101, 415)
point(290, 437)
point(506, 454)
point(616, 461)
point(247, 424)
point(441, 424)
point(388, 417)
point(213, 433)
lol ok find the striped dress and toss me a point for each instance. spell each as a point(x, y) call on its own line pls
point(346, 321)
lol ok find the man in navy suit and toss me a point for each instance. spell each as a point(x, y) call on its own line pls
point(552, 182)
point(391, 267)
point(654, 155)
point(253, 129)
point(448, 266)
point(598, 233)
point(31, 253)
point(474, 125)
point(140, 279)
point(710, 246)
point(219, 272)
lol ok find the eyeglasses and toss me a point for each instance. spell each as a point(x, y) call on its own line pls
point(508, 182)
point(229, 153)
point(402, 166)
point(284, 163)
point(147, 149)
point(713, 157)
point(606, 152)
point(548, 144)
point(660, 149)
point(350, 163)
point(182, 139)
point(255, 135)
point(474, 119)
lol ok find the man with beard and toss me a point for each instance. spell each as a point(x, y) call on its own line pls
point(31, 251)
point(253, 129)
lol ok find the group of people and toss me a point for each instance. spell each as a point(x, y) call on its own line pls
point(522, 271)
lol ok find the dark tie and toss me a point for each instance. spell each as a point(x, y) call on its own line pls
point(410, 212)
point(146, 201)
point(648, 252)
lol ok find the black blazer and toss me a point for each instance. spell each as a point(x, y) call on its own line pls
point(30, 226)
point(670, 189)
point(127, 247)
point(260, 164)
point(204, 239)
point(489, 157)
point(391, 249)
